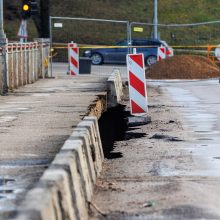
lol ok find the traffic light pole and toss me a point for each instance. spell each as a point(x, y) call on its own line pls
point(2, 33)
point(3, 42)
point(155, 21)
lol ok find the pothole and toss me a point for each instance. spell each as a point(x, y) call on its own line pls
point(112, 127)
point(204, 139)
point(165, 137)
point(5, 181)
point(218, 158)
point(134, 135)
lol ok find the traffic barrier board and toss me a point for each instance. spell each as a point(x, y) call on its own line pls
point(137, 84)
point(217, 52)
point(73, 51)
point(22, 32)
point(161, 53)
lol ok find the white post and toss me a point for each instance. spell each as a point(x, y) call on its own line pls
point(3, 42)
point(2, 33)
point(155, 21)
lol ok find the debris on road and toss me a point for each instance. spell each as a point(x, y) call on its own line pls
point(137, 121)
point(184, 67)
point(149, 204)
point(165, 137)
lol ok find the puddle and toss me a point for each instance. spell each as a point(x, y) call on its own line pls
point(5, 181)
point(24, 162)
point(41, 95)
point(2, 197)
point(6, 191)
point(204, 139)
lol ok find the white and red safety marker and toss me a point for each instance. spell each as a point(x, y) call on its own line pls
point(137, 84)
point(73, 52)
point(161, 53)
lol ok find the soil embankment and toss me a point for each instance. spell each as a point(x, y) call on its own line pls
point(183, 67)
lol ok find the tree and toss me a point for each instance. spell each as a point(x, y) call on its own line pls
point(41, 19)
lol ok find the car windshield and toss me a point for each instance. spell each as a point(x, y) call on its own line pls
point(122, 43)
point(140, 42)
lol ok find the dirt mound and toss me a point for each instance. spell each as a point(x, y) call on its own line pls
point(183, 67)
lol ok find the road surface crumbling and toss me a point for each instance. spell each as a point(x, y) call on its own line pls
point(156, 176)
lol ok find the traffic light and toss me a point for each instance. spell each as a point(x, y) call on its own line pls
point(29, 7)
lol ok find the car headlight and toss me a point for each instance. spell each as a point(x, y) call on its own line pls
point(87, 53)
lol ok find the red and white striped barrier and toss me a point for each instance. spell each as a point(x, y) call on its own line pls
point(169, 52)
point(161, 53)
point(137, 84)
point(73, 52)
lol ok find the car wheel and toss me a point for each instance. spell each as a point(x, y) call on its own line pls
point(97, 59)
point(151, 60)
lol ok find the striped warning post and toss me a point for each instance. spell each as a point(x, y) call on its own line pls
point(137, 84)
point(73, 52)
point(161, 53)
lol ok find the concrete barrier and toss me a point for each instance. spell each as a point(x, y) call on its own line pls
point(115, 89)
point(66, 187)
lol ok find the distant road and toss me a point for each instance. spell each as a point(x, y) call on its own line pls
point(98, 70)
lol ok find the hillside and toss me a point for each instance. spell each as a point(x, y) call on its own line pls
point(170, 11)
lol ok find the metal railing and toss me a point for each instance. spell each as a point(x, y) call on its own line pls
point(23, 63)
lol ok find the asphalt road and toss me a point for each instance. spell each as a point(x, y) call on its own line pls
point(201, 115)
point(170, 168)
point(96, 70)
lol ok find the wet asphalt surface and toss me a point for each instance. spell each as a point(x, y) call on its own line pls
point(169, 168)
point(201, 115)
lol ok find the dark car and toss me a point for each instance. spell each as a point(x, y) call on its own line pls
point(118, 55)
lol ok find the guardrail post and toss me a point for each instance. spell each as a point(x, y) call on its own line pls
point(22, 65)
point(25, 64)
point(4, 75)
point(43, 51)
point(10, 66)
point(35, 61)
point(1, 75)
point(15, 65)
point(29, 64)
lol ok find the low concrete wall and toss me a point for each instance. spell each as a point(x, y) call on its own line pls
point(115, 89)
point(66, 187)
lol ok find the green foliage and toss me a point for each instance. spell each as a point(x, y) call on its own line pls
point(169, 11)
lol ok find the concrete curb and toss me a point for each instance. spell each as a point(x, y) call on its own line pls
point(66, 187)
